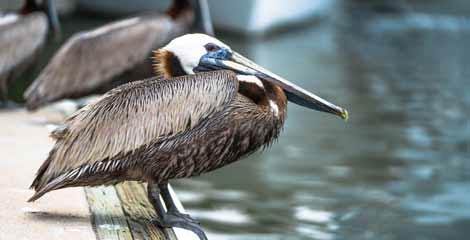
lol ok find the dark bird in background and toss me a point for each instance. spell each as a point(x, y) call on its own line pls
point(89, 61)
point(22, 35)
point(208, 107)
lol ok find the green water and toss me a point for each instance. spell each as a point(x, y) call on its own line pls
point(399, 169)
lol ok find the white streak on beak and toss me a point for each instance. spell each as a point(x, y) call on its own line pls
point(250, 79)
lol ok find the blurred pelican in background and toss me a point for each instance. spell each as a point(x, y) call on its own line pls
point(22, 35)
point(89, 61)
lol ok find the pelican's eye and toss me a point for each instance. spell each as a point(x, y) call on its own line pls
point(211, 47)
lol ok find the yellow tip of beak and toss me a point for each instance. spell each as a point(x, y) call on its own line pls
point(345, 115)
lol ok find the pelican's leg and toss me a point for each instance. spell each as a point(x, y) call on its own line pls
point(153, 194)
point(168, 219)
point(170, 204)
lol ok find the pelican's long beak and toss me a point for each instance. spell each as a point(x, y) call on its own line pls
point(51, 12)
point(238, 63)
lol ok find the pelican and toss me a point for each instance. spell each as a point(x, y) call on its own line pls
point(22, 35)
point(208, 106)
point(90, 60)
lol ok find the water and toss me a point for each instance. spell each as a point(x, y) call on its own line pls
point(399, 169)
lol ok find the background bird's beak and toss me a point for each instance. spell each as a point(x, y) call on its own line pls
point(294, 93)
point(51, 12)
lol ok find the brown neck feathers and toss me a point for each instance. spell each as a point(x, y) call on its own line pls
point(166, 64)
point(254, 92)
point(262, 96)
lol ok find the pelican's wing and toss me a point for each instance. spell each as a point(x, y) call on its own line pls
point(130, 117)
point(20, 38)
point(90, 59)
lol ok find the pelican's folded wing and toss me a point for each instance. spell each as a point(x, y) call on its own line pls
point(134, 116)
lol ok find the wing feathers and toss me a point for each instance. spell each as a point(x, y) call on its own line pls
point(134, 116)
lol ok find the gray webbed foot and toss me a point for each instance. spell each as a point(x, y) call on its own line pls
point(180, 220)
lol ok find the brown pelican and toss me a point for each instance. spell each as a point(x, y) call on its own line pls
point(22, 35)
point(209, 107)
point(89, 60)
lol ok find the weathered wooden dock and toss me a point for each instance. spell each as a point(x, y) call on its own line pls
point(105, 213)
point(123, 212)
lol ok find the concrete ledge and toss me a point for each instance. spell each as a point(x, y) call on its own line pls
point(116, 212)
point(24, 144)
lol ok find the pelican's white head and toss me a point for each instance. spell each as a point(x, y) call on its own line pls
point(190, 48)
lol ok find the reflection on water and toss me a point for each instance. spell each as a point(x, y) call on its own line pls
point(399, 169)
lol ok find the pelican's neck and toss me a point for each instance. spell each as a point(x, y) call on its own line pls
point(263, 93)
point(166, 64)
point(268, 96)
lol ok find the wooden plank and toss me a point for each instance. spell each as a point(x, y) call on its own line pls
point(124, 212)
point(138, 211)
point(108, 217)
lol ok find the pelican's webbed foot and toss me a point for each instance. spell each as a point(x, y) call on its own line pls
point(169, 220)
point(182, 216)
point(172, 217)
